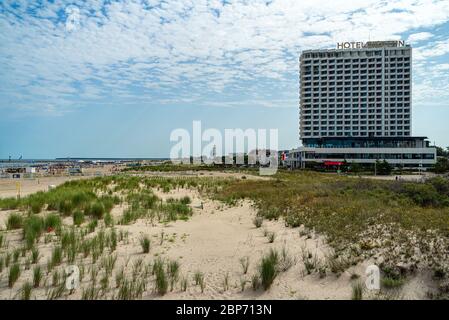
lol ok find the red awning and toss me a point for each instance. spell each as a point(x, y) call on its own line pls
point(333, 163)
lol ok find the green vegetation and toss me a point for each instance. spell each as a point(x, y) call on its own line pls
point(442, 165)
point(349, 210)
point(357, 291)
point(244, 262)
point(37, 276)
point(14, 221)
point(258, 221)
point(14, 274)
point(25, 291)
point(173, 273)
point(268, 269)
point(145, 244)
point(78, 217)
point(161, 281)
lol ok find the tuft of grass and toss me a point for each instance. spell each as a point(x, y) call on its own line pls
point(226, 282)
point(145, 244)
point(244, 262)
point(242, 284)
point(55, 278)
point(357, 291)
point(199, 280)
point(285, 261)
point(7, 259)
point(309, 260)
point(78, 217)
point(268, 269)
point(25, 291)
point(173, 273)
point(56, 256)
point(258, 221)
point(185, 200)
point(108, 219)
point(271, 237)
point(34, 255)
point(392, 282)
point(15, 221)
point(96, 210)
point(37, 276)
point(92, 225)
point(52, 222)
point(14, 274)
point(255, 282)
point(161, 281)
point(184, 283)
point(15, 255)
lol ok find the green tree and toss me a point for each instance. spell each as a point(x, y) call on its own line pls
point(442, 152)
point(383, 168)
point(442, 165)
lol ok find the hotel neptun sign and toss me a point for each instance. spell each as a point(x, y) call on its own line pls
point(370, 44)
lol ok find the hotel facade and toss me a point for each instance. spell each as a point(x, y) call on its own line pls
point(356, 106)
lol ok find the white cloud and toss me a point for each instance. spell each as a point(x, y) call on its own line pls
point(420, 36)
point(172, 50)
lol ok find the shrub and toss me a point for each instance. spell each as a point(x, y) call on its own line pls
point(185, 200)
point(271, 237)
point(14, 221)
point(423, 194)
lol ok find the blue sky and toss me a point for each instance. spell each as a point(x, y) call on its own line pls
point(124, 74)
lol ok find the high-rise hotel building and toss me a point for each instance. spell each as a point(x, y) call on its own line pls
point(356, 105)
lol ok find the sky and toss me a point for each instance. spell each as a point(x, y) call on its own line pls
point(114, 78)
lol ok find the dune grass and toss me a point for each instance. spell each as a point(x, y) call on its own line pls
point(268, 269)
point(350, 210)
point(145, 244)
point(14, 274)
